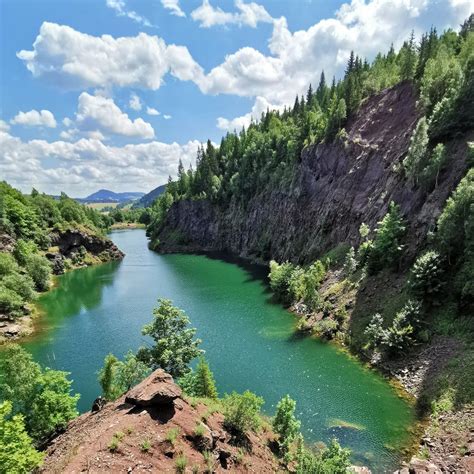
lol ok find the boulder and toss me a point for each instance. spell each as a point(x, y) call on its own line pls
point(158, 389)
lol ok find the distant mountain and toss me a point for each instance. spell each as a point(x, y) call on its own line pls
point(147, 199)
point(104, 195)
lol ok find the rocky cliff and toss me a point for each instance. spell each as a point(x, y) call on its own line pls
point(153, 428)
point(336, 187)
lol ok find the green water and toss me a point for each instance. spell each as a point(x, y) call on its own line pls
point(249, 342)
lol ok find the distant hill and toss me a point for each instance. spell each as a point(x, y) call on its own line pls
point(147, 199)
point(104, 195)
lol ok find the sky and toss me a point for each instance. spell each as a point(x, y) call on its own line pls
point(113, 93)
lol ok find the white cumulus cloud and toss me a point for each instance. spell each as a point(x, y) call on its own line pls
point(135, 103)
point(174, 7)
point(260, 106)
point(152, 111)
point(75, 60)
point(101, 113)
point(88, 164)
point(248, 14)
point(33, 118)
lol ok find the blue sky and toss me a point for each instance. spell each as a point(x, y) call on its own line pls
point(203, 66)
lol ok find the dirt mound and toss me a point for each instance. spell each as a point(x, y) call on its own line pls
point(154, 429)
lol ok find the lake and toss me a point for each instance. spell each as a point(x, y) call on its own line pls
point(250, 343)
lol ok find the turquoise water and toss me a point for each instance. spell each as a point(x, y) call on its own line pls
point(249, 341)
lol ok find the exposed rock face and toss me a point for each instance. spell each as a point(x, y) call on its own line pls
point(7, 242)
point(158, 389)
point(70, 242)
point(337, 186)
point(142, 421)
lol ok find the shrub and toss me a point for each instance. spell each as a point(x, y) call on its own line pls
point(11, 303)
point(414, 160)
point(42, 395)
point(17, 452)
point(242, 412)
point(145, 446)
point(280, 277)
point(8, 264)
point(181, 463)
point(350, 262)
point(23, 285)
point(172, 435)
point(285, 424)
point(39, 269)
point(374, 331)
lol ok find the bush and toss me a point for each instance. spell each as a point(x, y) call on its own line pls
point(280, 278)
point(332, 460)
point(414, 160)
point(8, 264)
point(39, 269)
point(11, 303)
point(242, 412)
point(23, 285)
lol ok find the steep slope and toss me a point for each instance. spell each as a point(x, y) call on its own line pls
point(151, 428)
point(336, 187)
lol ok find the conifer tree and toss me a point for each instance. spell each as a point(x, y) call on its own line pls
point(205, 385)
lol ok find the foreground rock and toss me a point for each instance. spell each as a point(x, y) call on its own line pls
point(148, 430)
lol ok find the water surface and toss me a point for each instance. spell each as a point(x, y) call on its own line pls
point(249, 341)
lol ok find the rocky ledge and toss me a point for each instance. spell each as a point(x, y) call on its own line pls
point(74, 243)
point(151, 429)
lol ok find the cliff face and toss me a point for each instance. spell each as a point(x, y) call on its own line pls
point(336, 187)
point(148, 430)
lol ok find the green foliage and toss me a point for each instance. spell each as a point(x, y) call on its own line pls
point(106, 378)
point(374, 332)
point(285, 424)
point(181, 463)
point(414, 161)
point(39, 268)
point(117, 377)
point(280, 277)
point(386, 248)
point(350, 262)
point(199, 383)
point(242, 412)
point(430, 173)
point(172, 435)
point(332, 460)
point(17, 453)
point(426, 278)
point(41, 395)
point(455, 235)
point(174, 344)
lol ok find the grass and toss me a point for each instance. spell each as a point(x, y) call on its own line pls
point(172, 435)
point(145, 446)
point(209, 460)
point(181, 463)
point(199, 430)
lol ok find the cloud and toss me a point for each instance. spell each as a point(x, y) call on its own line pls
point(4, 127)
point(101, 113)
point(152, 111)
point(88, 164)
point(135, 103)
point(173, 7)
point(33, 118)
point(120, 8)
point(166, 117)
point(74, 60)
point(249, 14)
point(260, 106)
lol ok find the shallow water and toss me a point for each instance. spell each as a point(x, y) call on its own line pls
point(249, 341)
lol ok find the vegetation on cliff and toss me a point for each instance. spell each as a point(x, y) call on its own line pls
point(28, 224)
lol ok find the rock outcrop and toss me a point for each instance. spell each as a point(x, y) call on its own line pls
point(148, 430)
point(336, 187)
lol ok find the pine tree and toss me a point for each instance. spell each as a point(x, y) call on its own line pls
point(408, 58)
point(309, 96)
point(205, 385)
point(414, 160)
